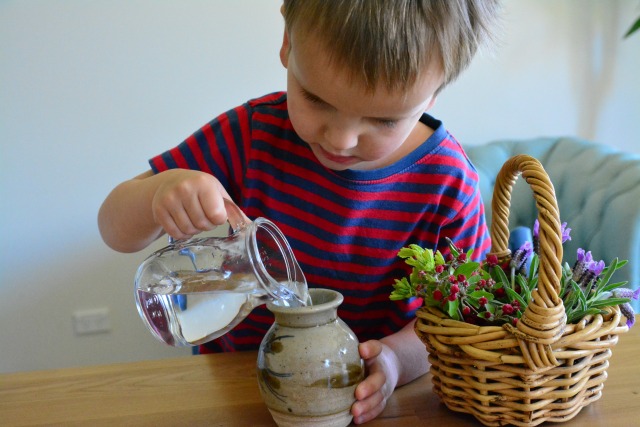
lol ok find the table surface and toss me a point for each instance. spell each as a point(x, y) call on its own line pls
point(222, 390)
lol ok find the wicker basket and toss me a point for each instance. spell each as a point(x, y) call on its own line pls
point(541, 370)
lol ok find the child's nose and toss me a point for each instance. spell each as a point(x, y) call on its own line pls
point(340, 139)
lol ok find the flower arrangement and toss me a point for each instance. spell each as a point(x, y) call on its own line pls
point(490, 293)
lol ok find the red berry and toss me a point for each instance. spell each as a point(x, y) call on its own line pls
point(487, 315)
point(437, 295)
point(461, 278)
point(455, 289)
point(483, 301)
point(500, 292)
point(507, 309)
point(462, 257)
point(453, 279)
point(466, 310)
point(439, 268)
point(452, 297)
point(492, 260)
point(514, 321)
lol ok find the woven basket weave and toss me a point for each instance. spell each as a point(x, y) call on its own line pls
point(541, 370)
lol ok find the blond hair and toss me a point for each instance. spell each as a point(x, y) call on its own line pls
point(391, 42)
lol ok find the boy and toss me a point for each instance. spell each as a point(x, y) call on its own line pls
point(346, 162)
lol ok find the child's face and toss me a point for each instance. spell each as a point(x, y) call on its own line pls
point(345, 126)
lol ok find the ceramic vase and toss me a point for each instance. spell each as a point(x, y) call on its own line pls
point(309, 364)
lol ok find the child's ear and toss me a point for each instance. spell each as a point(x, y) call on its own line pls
point(284, 50)
point(432, 102)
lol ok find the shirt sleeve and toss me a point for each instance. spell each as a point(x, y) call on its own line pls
point(218, 148)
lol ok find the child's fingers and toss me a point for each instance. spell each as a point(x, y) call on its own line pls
point(368, 409)
point(370, 349)
point(197, 219)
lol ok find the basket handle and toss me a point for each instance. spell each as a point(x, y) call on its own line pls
point(544, 319)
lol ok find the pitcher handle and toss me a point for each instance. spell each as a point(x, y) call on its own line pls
point(236, 219)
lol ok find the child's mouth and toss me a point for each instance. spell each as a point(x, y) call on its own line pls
point(341, 160)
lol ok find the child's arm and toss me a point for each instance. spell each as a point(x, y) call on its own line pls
point(179, 202)
point(391, 362)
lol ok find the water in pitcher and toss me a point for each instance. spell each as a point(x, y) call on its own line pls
point(196, 290)
point(191, 308)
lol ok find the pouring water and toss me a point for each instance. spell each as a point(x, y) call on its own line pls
point(194, 291)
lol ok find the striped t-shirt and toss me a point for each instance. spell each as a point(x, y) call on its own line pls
point(345, 227)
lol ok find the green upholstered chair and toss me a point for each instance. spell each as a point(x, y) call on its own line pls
point(598, 193)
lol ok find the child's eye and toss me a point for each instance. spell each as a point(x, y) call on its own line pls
point(387, 123)
point(311, 98)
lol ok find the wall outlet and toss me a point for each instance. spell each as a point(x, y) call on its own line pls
point(91, 321)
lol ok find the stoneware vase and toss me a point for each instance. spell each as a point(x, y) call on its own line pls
point(309, 365)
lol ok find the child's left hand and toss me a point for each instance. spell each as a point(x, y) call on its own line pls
point(391, 362)
point(382, 376)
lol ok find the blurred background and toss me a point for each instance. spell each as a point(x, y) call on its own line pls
point(90, 89)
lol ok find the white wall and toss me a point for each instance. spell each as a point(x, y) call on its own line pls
point(90, 89)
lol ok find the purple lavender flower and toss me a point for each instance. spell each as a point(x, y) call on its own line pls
point(627, 311)
point(586, 270)
point(566, 232)
point(626, 293)
point(536, 236)
point(584, 257)
point(521, 256)
point(596, 267)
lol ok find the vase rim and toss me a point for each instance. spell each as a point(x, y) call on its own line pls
point(321, 298)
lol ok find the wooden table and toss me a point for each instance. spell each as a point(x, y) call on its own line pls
point(222, 390)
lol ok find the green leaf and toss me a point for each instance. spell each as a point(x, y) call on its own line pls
point(533, 267)
point(513, 294)
point(613, 286)
point(581, 296)
point(406, 253)
point(577, 315)
point(413, 262)
point(609, 302)
point(478, 294)
point(606, 275)
point(402, 290)
point(470, 253)
point(635, 27)
point(466, 269)
point(526, 293)
point(454, 250)
point(452, 309)
point(473, 280)
point(499, 276)
point(571, 299)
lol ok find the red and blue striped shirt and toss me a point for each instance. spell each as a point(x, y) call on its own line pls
point(345, 227)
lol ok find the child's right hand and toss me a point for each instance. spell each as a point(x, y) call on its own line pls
point(187, 202)
point(180, 202)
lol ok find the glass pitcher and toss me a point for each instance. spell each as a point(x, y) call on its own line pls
point(198, 289)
